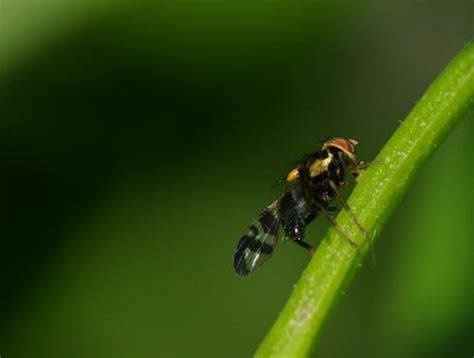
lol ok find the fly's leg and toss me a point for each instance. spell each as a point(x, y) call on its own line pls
point(359, 167)
point(348, 182)
point(346, 207)
point(305, 245)
point(309, 218)
point(335, 226)
point(352, 215)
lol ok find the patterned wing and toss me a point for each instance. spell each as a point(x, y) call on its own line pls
point(256, 246)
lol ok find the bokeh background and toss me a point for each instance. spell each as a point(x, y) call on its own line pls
point(138, 139)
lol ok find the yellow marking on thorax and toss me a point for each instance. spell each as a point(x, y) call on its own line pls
point(319, 166)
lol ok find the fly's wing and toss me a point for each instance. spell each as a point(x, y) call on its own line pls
point(256, 246)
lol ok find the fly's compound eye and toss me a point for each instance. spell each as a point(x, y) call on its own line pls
point(345, 145)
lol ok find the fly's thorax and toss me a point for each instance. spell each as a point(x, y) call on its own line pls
point(323, 194)
point(320, 164)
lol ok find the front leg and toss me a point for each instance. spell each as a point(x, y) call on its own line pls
point(360, 167)
point(346, 206)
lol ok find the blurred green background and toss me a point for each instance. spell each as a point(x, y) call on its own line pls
point(138, 139)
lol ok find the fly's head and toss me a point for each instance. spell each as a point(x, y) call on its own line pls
point(345, 146)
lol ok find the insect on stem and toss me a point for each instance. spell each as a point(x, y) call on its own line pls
point(312, 186)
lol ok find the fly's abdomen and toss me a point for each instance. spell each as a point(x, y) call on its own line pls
point(294, 211)
point(294, 226)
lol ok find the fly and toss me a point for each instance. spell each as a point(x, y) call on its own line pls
point(312, 185)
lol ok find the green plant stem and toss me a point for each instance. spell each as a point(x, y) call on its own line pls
point(374, 198)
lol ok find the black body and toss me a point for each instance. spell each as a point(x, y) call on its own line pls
point(306, 197)
point(309, 193)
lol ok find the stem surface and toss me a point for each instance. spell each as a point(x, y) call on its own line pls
point(374, 198)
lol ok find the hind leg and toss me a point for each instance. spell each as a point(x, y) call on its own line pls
point(305, 245)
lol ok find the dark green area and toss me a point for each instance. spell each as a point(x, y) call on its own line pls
point(139, 139)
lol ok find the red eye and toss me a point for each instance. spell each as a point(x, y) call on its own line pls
point(342, 143)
